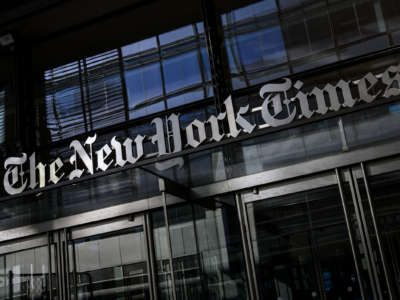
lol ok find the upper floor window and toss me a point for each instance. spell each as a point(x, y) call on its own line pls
point(270, 39)
point(166, 71)
point(139, 79)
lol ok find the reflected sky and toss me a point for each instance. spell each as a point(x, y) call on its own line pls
point(157, 73)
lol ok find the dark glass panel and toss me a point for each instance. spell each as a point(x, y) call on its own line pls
point(64, 111)
point(264, 42)
point(385, 193)
point(391, 11)
point(396, 37)
point(308, 31)
point(103, 90)
point(164, 71)
point(374, 125)
point(130, 185)
point(180, 71)
point(301, 247)
point(353, 21)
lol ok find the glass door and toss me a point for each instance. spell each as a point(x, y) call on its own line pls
point(385, 195)
point(302, 245)
point(377, 188)
point(25, 270)
point(109, 261)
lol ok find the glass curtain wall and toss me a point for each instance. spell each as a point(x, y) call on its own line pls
point(270, 39)
point(139, 79)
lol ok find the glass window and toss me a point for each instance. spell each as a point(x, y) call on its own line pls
point(308, 31)
point(130, 185)
point(384, 120)
point(166, 71)
point(353, 21)
point(265, 42)
point(253, 41)
point(144, 85)
point(160, 72)
point(391, 11)
point(64, 110)
point(103, 90)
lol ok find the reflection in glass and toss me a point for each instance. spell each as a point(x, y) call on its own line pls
point(64, 111)
point(103, 90)
point(25, 275)
point(166, 71)
point(206, 250)
point(130, 185)
point(264, 41)
point(384, 120)
point(160, 72)
point(163, 267)
point(301, 247)
point(385, 195)
point(110, 266)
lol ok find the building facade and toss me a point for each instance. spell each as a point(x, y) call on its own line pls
point(200, 149)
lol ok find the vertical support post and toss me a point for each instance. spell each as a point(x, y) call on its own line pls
point(247, 249)
point(10, 284)
point(164, 199)
point(50, 267)
point(66, 264)
point(351, 239)
point(23, 96)
point(123, 83)
point(364, 225)
point(151, 257)
point(377, 232)
point(217, 56)
point(59, 268)
point(75, 276)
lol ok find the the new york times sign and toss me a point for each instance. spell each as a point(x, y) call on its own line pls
point(278, 109)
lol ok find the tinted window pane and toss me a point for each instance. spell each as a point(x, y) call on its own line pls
point(301, 247)
point(391, 11)
point(143, 83)
point(168, 69)
point(181, 70)
point(264, 42)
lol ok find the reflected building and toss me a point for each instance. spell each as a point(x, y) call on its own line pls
point(221, 150)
